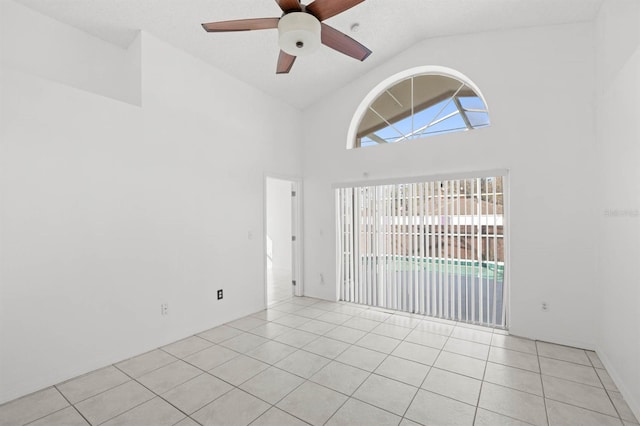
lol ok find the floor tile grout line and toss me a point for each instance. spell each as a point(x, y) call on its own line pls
point(55, 411)
point(544, 397)
point(482, 382)
point(350, 344)
point(160, 395)
point(425, 376)
point(585, 408)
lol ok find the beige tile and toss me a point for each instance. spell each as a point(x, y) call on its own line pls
point(464, 347)
point(361, 324)
point(563, 414)
point(375, 315)
point(277, 417)
point(340, 377)
point(595, 359)
point(476, 336)
point(286, 307)
point(334, 318)
point(418, 353)
point(246, 323)
point(357, 413)
point(91, 384)
point(317, 327)
point(245, 342)
point(220, 334)
point(31, 407)
point(146, 363)
point(271, 352)
point(429, 408)
point(435, 327)
point(345, 334)
point(584, 396)
point(514, 343)
point(393, 331)
point(297, 338)
point(363, 358)
point(515, 378)
point(461, 364)
point(570, 371)
point(236, 408)
point(239, 369)
point(155, 412)
point(489, 418)
point(425, 338)
point(563, 353)
point(272, 384)
point(211, 357)
point(402, 321)
point(292, 320)
point(302, 363)
point(622, 407)
point(378, 343)
point(606, 379)
point(512, 403)
point(310, 312)
point(187, 346)
point(187, 422)
point(270, 330)
point(268, 314)
point(403, 370)
point(312, 403)
point(452, 385)
point(169, 376)
point(326, 347)
point(514, 359)
point(196, 393)
point(65, 417)
point(407, 422)
point(109, 404)
point(385, 393)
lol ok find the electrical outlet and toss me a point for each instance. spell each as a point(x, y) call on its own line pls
point(220, 294)
point(544, 306)
point(164, 309)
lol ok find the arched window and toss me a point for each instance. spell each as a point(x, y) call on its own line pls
point(419, 102)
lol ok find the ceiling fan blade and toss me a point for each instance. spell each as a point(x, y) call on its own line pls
point(325, 9)
point(241, 25)
point(343, 43)
point(285, 62)
point(289, 5)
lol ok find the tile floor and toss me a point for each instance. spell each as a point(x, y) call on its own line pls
point(307, 361)
point(278, 284)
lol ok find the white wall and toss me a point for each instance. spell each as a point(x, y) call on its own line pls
point(618, 100)
point(538, 83)
point(70, 56)
point(110, 209)
point(279, 222)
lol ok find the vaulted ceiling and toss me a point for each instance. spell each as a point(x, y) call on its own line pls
point(387, 27)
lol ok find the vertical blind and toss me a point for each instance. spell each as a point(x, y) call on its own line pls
point(434, 248)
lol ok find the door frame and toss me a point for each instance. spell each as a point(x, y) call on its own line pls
point(297, 271)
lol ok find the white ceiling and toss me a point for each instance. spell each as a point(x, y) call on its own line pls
point(387, 27)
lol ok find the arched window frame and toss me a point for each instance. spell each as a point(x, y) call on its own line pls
point(396, 78)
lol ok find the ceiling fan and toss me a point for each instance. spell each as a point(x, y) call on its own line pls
point(301, 30)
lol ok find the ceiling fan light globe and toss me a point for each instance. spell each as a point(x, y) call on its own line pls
point(299, 33)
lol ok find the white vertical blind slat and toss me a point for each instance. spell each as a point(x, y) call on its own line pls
point(428, 247)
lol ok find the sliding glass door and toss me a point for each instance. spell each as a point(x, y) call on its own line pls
point(435, 247)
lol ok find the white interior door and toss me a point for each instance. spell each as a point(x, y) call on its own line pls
point(282, 240)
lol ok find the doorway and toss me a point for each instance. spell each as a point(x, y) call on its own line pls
point(281, 252)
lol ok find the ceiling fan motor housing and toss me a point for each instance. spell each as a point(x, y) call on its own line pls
point(299, 33)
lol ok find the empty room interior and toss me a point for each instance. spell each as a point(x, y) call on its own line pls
point(357, 212)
